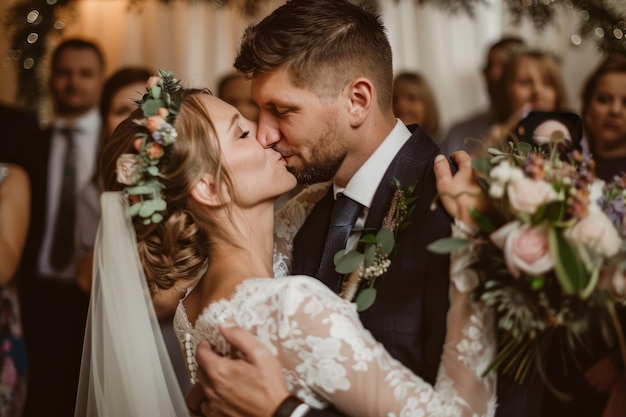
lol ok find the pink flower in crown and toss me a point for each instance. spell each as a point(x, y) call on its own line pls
point(162, 111)
point(154, 122)
point(137, 144)
point(127, 168)
point(526, 195)
point(154, 151)
point(153, 81)
point(526, 249)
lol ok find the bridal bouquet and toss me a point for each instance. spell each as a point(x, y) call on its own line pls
point(551, 254)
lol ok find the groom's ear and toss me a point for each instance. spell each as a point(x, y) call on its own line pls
point(361, 100)
point(205, 192)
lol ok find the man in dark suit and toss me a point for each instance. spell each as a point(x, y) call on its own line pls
point(60, 163)
point(322, 77)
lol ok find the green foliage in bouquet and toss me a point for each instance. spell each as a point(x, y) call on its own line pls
point(551, 253)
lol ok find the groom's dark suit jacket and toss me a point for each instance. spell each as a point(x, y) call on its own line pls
point(409, 314)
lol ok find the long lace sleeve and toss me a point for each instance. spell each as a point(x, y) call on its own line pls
point(325, 349)
point(287, 222)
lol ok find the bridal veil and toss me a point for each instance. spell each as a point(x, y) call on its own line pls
point(125, 369)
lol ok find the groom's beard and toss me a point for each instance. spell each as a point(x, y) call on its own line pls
point(324, 160)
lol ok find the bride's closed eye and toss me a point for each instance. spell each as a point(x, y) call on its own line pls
point(245, 134)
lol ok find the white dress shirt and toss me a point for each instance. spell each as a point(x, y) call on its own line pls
point(364, 183)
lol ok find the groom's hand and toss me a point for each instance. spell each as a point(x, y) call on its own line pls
point(459, 192)
point(250, 386)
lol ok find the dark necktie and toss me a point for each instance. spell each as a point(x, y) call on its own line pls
point(62, 251)
point(345, 213)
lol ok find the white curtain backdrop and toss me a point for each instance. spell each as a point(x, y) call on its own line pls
point(199, 43)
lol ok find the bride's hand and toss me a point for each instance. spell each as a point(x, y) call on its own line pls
point(459, 192)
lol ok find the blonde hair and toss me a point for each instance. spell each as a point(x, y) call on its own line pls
point(425, 95)
point(549, 69)
point(177, 248)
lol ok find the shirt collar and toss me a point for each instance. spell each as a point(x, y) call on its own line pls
point(364, 183)
point(85, 123)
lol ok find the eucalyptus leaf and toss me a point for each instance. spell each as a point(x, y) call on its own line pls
point(567, 265)
point(156, 91)
point(153, 170)
point(481, 165)
point(494, 151)
point(350, 262)
point(339, 256)
point(369, 238)
point(370, 255)
point(365, 299)
point(150, 107)
point(139, 190)
point(385, 238)
point(134, 209)
point(158, 203)
point(447, 245)
point(146, 210)
point(156, 218)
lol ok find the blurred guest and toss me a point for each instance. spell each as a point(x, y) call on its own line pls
point(415, 103)
point(477, 126)
point(531, 80)
point(234, 89)
point(14, 214)
point(61, 164)
point(604, 116)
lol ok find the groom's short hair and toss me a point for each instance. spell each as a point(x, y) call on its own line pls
point(324, 44)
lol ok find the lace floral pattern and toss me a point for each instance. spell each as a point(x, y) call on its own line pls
point(288, 221)
point(328, 357)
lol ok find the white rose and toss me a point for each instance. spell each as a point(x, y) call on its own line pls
point(597, 232)
point(596, 192)
point(526, 195)
point(127, 168)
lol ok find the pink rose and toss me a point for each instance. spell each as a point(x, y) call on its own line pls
point(137, 144)
point(127, 168)
point(597, 232)
point(154, 151)
point(153, 123)
point(526, 195)
point(526, 249)
point(162, 111)
point(153, 81)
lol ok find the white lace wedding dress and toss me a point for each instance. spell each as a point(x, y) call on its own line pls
point(327, 355)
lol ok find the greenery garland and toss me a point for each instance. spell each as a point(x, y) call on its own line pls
point(31, 23)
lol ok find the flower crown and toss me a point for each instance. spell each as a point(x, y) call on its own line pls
point(141, 171)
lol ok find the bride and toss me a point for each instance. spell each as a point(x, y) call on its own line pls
point(201, 191)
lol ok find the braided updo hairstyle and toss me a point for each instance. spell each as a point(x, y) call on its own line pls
point(177, 248)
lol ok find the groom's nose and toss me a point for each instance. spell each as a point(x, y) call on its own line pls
point(268, 132)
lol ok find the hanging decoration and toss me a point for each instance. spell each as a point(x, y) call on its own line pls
point(32, 23)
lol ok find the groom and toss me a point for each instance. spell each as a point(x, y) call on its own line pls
point(322, 76)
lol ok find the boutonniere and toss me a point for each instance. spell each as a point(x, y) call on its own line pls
point(378, 248)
